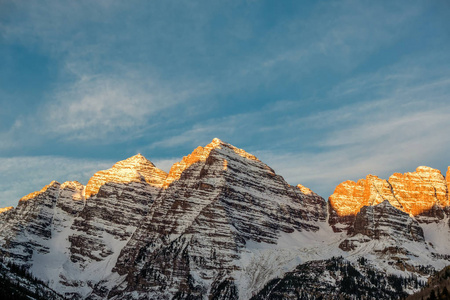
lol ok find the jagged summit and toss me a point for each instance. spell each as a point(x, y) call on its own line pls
point(137, 159)
point(305, 190)
point(201, 154)
point(37, 193)
point(134, 169)
point(221, 225)
point(5, 209)
point(412, 192)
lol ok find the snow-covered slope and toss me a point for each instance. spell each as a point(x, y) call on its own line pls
point(222, 207)
point(73, 243)
point(337, 278)
point(221, 224)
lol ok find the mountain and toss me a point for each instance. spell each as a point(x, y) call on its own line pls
point(223, 225)
point(423, 194)
point(337, 278)
point(16, 283)
point(221, 207)
point(401, 223)
point(438, 287)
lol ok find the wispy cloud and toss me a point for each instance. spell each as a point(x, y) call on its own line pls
point(102, 108)
point(328, 90)
point(405, 128)
point(402, 122)
point(378, 147)
point(337, 36)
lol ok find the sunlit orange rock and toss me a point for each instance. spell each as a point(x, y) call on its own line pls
point(5, 209)
point(419, 191)
point(305, 190)
point(349, 197)
point(200, 154)
point(412, 192)
point(37, 193)
point(134, 169)
point(448, 186)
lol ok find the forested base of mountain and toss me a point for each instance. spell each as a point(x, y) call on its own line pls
point(337, 278)
point(438, 287)
point(16, 283)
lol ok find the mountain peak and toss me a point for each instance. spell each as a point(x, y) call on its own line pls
point(134, 161)
point(43, 190)
point(412, 192)
point(425, 169)
point(133, 169)
point(201, 154)
point(305, 190)
point(216, 141)
point(5, 209)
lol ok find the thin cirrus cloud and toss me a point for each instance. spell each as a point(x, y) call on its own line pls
point(376, 146)
point(107, 109)
point(403, 123)
point(339, 35)
point(322, 91)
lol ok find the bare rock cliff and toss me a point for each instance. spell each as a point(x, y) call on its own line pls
point(423, 194)
point(217, 200)
point(134, 169)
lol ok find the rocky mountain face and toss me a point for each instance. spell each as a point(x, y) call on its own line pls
point(401, 224)
point(217, 201)
point(16, 283)
point(437, 287)
point(221, 225)
point(423, 194)
point(337, 278)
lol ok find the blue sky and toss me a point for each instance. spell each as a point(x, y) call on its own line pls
point(322, 91)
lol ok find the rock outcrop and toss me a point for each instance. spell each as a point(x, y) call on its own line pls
point(389, 226)
point(134, 169)
point(337, 278)
point(218, 199)
point(423, 194)
point(5, 209)
point(27, 228)
point(395, 221)
point(447, 177)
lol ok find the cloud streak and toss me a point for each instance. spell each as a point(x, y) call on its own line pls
point(402, 125)
point(321, 90)
point(107, 109)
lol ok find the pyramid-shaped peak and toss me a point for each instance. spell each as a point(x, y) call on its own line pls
point(5, 209)
point(214, 144)
point(135, 160)
point(133, 169)
point(201, 154)
point(51, 186)
point(217, 142)
point(425, 169)
point(137, 156)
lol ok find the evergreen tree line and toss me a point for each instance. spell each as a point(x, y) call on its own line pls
point(16, 282)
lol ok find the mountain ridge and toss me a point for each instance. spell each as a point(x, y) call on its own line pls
point(220, 224)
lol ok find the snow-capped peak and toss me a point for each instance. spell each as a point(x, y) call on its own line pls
point(134, 169)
